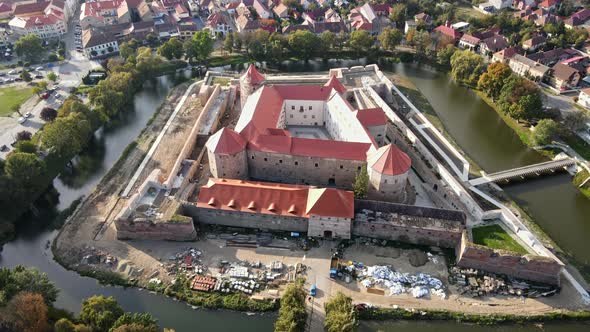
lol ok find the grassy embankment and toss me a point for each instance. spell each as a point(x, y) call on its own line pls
point(11, 96)
point(481, 319)
point(495, 237)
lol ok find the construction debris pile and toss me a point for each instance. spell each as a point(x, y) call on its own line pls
point(418, 285)
point(476, 283)
point(187, 261)
point(96, 257)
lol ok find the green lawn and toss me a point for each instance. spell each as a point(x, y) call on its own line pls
point(466, 12)
point(13, 96)
point(495, 237)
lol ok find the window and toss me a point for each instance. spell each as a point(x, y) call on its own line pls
point(305, 116)
point(291, 116)
point(293, 107)
point(280, 161)
point(313, 116)
point(252, 157)
point(341, 167)
point(316, 165)
point(296, 163)
point(300, 108)
point(310, 108)
point(265, 159)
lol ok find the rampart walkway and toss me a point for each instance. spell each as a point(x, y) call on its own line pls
point(547, 167)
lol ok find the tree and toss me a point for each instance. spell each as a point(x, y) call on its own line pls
point(16, 109)
point(422, 42)
point(443, 56)
point(200, 46)
point(575, 121)
point(237, 42)
point(228, 43)
point(172, 49)
point(28, 312)
point(398, 14)
point(292, 314)
point(30, 47)
point(27, 170)
point(26, 76)
point(48, 114)
point(26, 147)
point(37, 91)
point(361, 183)
point(304, 44)
point(466, 67)
point(52, 76)
point(492, 81)
point(43, 84)
point(341, 315)
point(521, 99)
point(21, 279)
point(135, 328)
point(328, 39)
point(545, 131)
point(66, 136)
point(64, 325)
point(23, 135)
point(100, 312)
point(145, 321)
point(360, 42)
point(390, 38)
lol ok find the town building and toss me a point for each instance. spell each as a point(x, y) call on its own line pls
point(528, 68)
point(45, 19)
point(563, 77)
point(98, 43)
point(371, 18)
point(535, 43)
point(448, 31)
point(584, 98)
point(306, 134)
point(577, 19)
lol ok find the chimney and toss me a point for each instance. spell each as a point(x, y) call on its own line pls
point(447, 23)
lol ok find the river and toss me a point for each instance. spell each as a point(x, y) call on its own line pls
point(30, 247)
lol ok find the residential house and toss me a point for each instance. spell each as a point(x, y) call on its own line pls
point(99, 13)
point(281, 10)
point(492, 6)
point(549, 58)
point(170, 5)
point(506, 54)
point(231, 7)
point(187, 31)
point(522, 4)
point(262, 10)
point(564, 77)
point(469, 42)
point(493, 44)
point(246, 23)
point(99, 43)
point(584, 98)
point(367, 18)
point(528, 68)
point(218, 23)
point(535, 43)
point(5, 9)
point(549, 5)
point(144, 12)
point(450, 32)
point(578, 18)
point(423, 18)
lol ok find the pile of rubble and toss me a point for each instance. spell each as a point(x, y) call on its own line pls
point(476, 283)
point(418, 285)
point(95, 257)
point(187, 260)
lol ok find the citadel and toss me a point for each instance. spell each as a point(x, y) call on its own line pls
point(290, 160)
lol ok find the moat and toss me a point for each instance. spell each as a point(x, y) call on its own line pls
point(481, 133)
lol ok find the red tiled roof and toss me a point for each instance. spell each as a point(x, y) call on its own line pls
point(330, 202)
point(335, 84)
point(448, 31)
point(30, 8)
point(371, 117)
point(548, 3)
point(390, 160)
point(226, 141)
point(5, 7)
point(255, 76)
point(275, 199)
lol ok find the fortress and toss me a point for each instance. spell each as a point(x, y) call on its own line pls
point(307, 134)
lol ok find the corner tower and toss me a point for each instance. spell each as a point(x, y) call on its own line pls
point(249, 82)
point(226, 150)
point(388, 169)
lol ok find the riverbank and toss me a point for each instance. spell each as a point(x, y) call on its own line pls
point(384, 314)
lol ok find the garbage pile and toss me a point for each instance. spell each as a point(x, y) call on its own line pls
point(476, 283)
point(96, 257)
point(188, 260)
point(418, 285)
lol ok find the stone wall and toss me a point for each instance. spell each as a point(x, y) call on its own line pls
point(384, 187)
point(528, 267)
point(408, 223)
point(248, 220)
point(302, 170)
point(338, 227)
point(144, 229)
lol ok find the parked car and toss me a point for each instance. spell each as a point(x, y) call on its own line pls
point(22, 120)
point(12, 72)
point(28, 115)
point(40, 68)
point(38, 76)
point(45, 95)
point(313, 290)
point(4, 148)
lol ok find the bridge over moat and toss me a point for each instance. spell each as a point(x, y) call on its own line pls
point(521, 173)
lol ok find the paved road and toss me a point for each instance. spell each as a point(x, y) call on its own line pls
point(564, 103)
point(70, 75)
